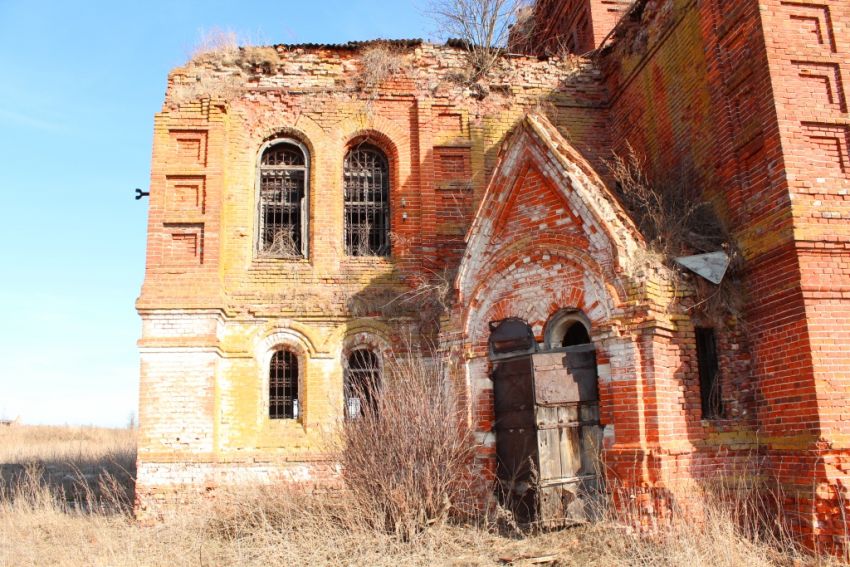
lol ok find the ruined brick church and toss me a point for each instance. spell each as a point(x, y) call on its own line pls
point(296, 193)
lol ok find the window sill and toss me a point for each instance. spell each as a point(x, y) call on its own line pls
point(272, 260)
point(368, 259)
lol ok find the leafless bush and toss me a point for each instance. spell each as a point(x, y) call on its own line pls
point(407, 457)
point(377, 64)
point(676, 220)
point(674, 217)
point(483, 25)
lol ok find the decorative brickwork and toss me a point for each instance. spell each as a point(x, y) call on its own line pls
point(501, 188)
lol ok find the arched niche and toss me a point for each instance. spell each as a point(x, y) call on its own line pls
point(567, 328)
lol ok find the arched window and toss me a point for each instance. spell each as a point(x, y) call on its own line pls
point(284, 175)
point(283, 385)
point(567, 328)
point(366, 181)
point(362, 380)
point(575, 335)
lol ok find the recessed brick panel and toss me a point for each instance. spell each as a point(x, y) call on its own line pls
point(829, 145)
point(184, 245)
point(190, 147)
point(810, 26)
point(185, 194)
point(821, 85)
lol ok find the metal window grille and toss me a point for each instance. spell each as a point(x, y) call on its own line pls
point(283, 385)
point(367, 209)
point(283, 175)
point(362, 378)
point(709, 374)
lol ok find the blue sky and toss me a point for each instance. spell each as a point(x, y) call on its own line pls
point(79, 85)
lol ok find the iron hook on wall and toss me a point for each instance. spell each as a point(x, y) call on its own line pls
point(140, 193)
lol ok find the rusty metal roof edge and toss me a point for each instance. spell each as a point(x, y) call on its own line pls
point(353, 45)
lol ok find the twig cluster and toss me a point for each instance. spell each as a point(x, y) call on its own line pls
point(483, 25)
point(406, 458)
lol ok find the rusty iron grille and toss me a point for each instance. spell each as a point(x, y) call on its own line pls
point(283, 174)
point(362, 378)
point(367, 208)
point(709, 374)
point(283, 385)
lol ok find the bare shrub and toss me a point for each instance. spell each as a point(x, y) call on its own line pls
point(406, 459)
point(378, 63)
point(674, 217)
point(676, 220)
point(483, 25)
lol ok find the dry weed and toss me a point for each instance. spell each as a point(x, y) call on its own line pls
point(219, 68)
point(676, 220)
point(406, 458)
point(378, 63)
point(718, 524)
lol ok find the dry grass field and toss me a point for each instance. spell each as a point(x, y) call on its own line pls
point(64, 500)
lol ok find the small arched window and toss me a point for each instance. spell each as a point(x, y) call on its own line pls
point(284, 175)
point(362, 380)
point(576, 334)
point(567, 328)
point(366, 182)
point(283, 385)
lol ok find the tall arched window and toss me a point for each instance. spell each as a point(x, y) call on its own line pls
point(283, 385)
point(367, 201)
point(284, 175)
point(362, 379)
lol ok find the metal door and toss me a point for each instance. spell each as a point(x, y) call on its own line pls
point(516, 437)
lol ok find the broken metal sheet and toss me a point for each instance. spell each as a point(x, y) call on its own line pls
point(711, 266)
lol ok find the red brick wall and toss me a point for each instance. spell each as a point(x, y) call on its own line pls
point(747, 100)
point(558, 27)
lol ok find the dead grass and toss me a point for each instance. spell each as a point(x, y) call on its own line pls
point(406, 458)
point(378, 63)
point(27, 443)
point(279, 525)
point(219, 66)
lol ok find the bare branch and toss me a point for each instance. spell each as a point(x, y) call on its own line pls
point(483, 24)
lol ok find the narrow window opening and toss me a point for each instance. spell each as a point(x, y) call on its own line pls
point(362, 380)
point(709, 373)
point(283, 195)
point(366, 185)
point(576, 335)
point(283, 385)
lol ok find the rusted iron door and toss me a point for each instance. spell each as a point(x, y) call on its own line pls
point(548, 435)
point(569, 435)
point(516, 436)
